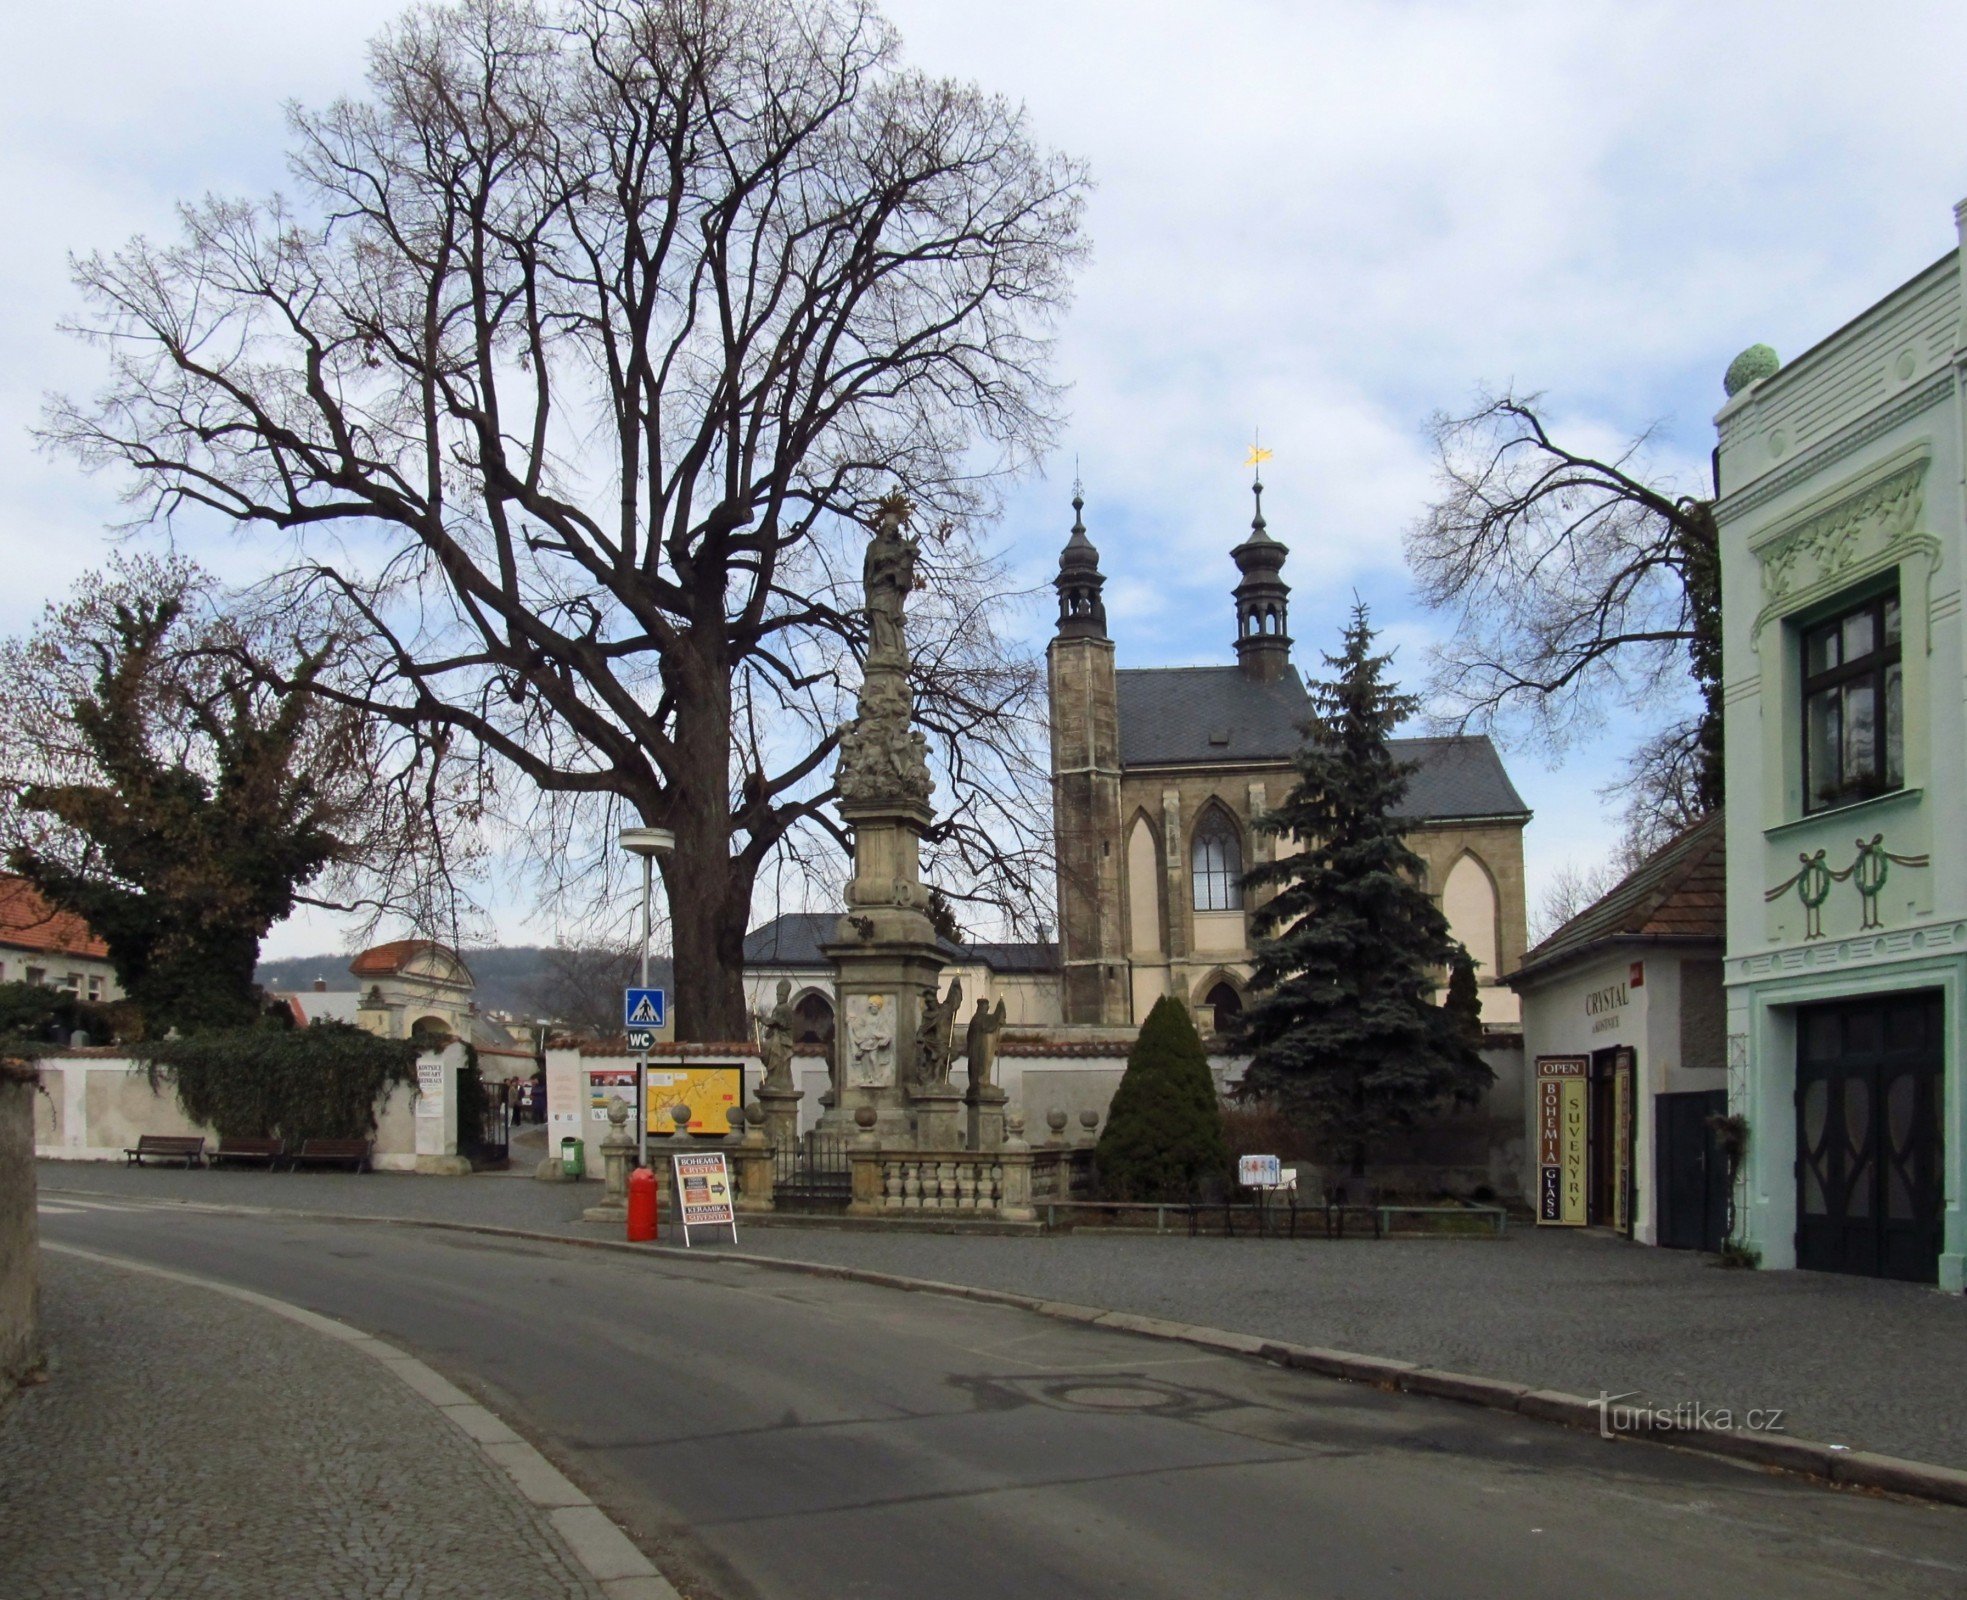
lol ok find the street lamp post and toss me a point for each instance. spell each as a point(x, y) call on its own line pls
point(648, 843)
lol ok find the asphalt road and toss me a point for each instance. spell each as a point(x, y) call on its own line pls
point(771, 1435)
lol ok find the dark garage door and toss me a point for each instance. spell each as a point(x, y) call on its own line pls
point(1868, 1121)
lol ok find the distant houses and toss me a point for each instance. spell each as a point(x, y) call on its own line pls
point(54, 949)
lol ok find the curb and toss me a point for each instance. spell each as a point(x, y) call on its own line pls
point(606, 1554)
point(1833, 1465)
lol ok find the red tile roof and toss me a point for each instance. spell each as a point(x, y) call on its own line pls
point(383, 960)
point(1677, 895)
point(28, 922)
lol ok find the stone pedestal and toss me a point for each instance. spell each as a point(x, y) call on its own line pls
point(938, 1114)
point(983, 1117)
point(864, 1162)
point(781, 1106)
point(617, 1157)
point(756, 1163)
point(1014, 1161)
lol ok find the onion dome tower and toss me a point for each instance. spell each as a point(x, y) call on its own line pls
point(1082, 614)
point(1263, 641)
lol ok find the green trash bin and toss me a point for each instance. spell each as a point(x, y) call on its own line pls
point(573, 1157)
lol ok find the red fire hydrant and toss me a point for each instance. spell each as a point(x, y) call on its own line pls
point(642, 1204)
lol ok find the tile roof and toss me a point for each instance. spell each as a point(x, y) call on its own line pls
point(382, 960)
point(1677, 894)
point(793, 939)
point(1215, 716)
point(28, 922)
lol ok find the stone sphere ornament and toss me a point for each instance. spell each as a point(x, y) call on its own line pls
point(865, 1117)
point(1055, 1119)
point(1089, 1120)
point(1757, 362)
point(681, 1115)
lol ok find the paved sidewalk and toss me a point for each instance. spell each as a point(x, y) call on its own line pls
point(1851, 1361)
point(186, 1444)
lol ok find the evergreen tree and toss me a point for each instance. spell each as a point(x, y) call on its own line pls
point(195, 818)
point(1164, 1131)
point(1347, 1037)
point(1461, 1022)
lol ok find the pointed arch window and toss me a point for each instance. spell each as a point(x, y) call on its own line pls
point(1216, 863)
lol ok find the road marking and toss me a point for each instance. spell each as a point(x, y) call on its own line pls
point(610, 1557)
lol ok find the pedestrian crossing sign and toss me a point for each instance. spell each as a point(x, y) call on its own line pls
point(643, 1008)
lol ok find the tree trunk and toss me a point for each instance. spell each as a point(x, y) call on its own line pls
point(709, 890)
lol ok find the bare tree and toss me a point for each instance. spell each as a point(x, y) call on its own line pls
point(575, 372)
point(1573, 889)
point(1573, 584)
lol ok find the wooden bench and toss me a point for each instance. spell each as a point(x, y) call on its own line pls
point(186, 1147)
point(259, 1152)
point(350, 1153)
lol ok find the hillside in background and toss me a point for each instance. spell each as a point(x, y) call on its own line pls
point(527, 980)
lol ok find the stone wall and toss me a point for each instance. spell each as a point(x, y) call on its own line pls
point(96, 1103)
point(20, 1272)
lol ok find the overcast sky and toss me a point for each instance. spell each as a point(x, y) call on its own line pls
point(1324, 220)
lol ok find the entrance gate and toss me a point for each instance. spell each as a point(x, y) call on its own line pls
point(1868, 1137)
point(1690, 1175)
point(812, 1174)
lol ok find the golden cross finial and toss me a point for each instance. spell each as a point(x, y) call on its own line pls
point(1258, 454)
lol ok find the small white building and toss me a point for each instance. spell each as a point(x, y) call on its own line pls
point(54, 949)
point(1626, 998)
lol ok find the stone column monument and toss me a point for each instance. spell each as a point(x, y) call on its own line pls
point(885, 947)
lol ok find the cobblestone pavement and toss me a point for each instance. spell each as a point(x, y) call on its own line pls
point(1851, 1361)
point(186, 1444)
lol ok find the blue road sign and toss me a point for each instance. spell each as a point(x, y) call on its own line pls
point(643, 1008)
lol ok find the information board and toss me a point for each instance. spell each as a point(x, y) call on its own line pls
point(1562, 1088)
point(1260, 1172)
point(703, 1192)
point(714, 1092)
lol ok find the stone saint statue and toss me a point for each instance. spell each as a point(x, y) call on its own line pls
point(980, 1042)
point(775, 1039)
point(888, 573)
point(932, 1036)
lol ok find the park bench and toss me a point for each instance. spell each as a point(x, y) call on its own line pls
point(350, 1153)
point(259, 1152)
point(186, 1147)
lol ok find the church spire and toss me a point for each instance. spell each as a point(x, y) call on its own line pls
point(1263, 644)
point(1082, 614)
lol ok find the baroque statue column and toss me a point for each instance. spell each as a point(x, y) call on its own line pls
point(885, 949)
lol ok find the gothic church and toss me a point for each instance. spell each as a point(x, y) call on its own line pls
point(1158, 772)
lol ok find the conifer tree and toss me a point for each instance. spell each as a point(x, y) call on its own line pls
point(1347, 1037)
point(1164, 1131)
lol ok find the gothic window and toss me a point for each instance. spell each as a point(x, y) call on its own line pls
point(1216, 860)
point(812, 1019)
point(1225, 1006)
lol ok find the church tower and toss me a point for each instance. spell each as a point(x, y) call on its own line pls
point(1086, 789)
point(1263, 642)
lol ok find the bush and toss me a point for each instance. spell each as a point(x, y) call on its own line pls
point(1164, 1132)
point(33, 1014)
point(320, 1082)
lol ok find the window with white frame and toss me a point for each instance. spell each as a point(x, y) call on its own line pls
point(1216, 860)
point(1853, 705)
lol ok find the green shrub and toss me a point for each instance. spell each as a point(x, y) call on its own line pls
point(319, 1082)
point(1164, 1132)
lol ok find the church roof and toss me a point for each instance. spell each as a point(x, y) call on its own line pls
point(793, 939)
point(1219, 717)
point(1676, 895)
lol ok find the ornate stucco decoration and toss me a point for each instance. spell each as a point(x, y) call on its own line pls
point(1869, 528)
point(1812, 882)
